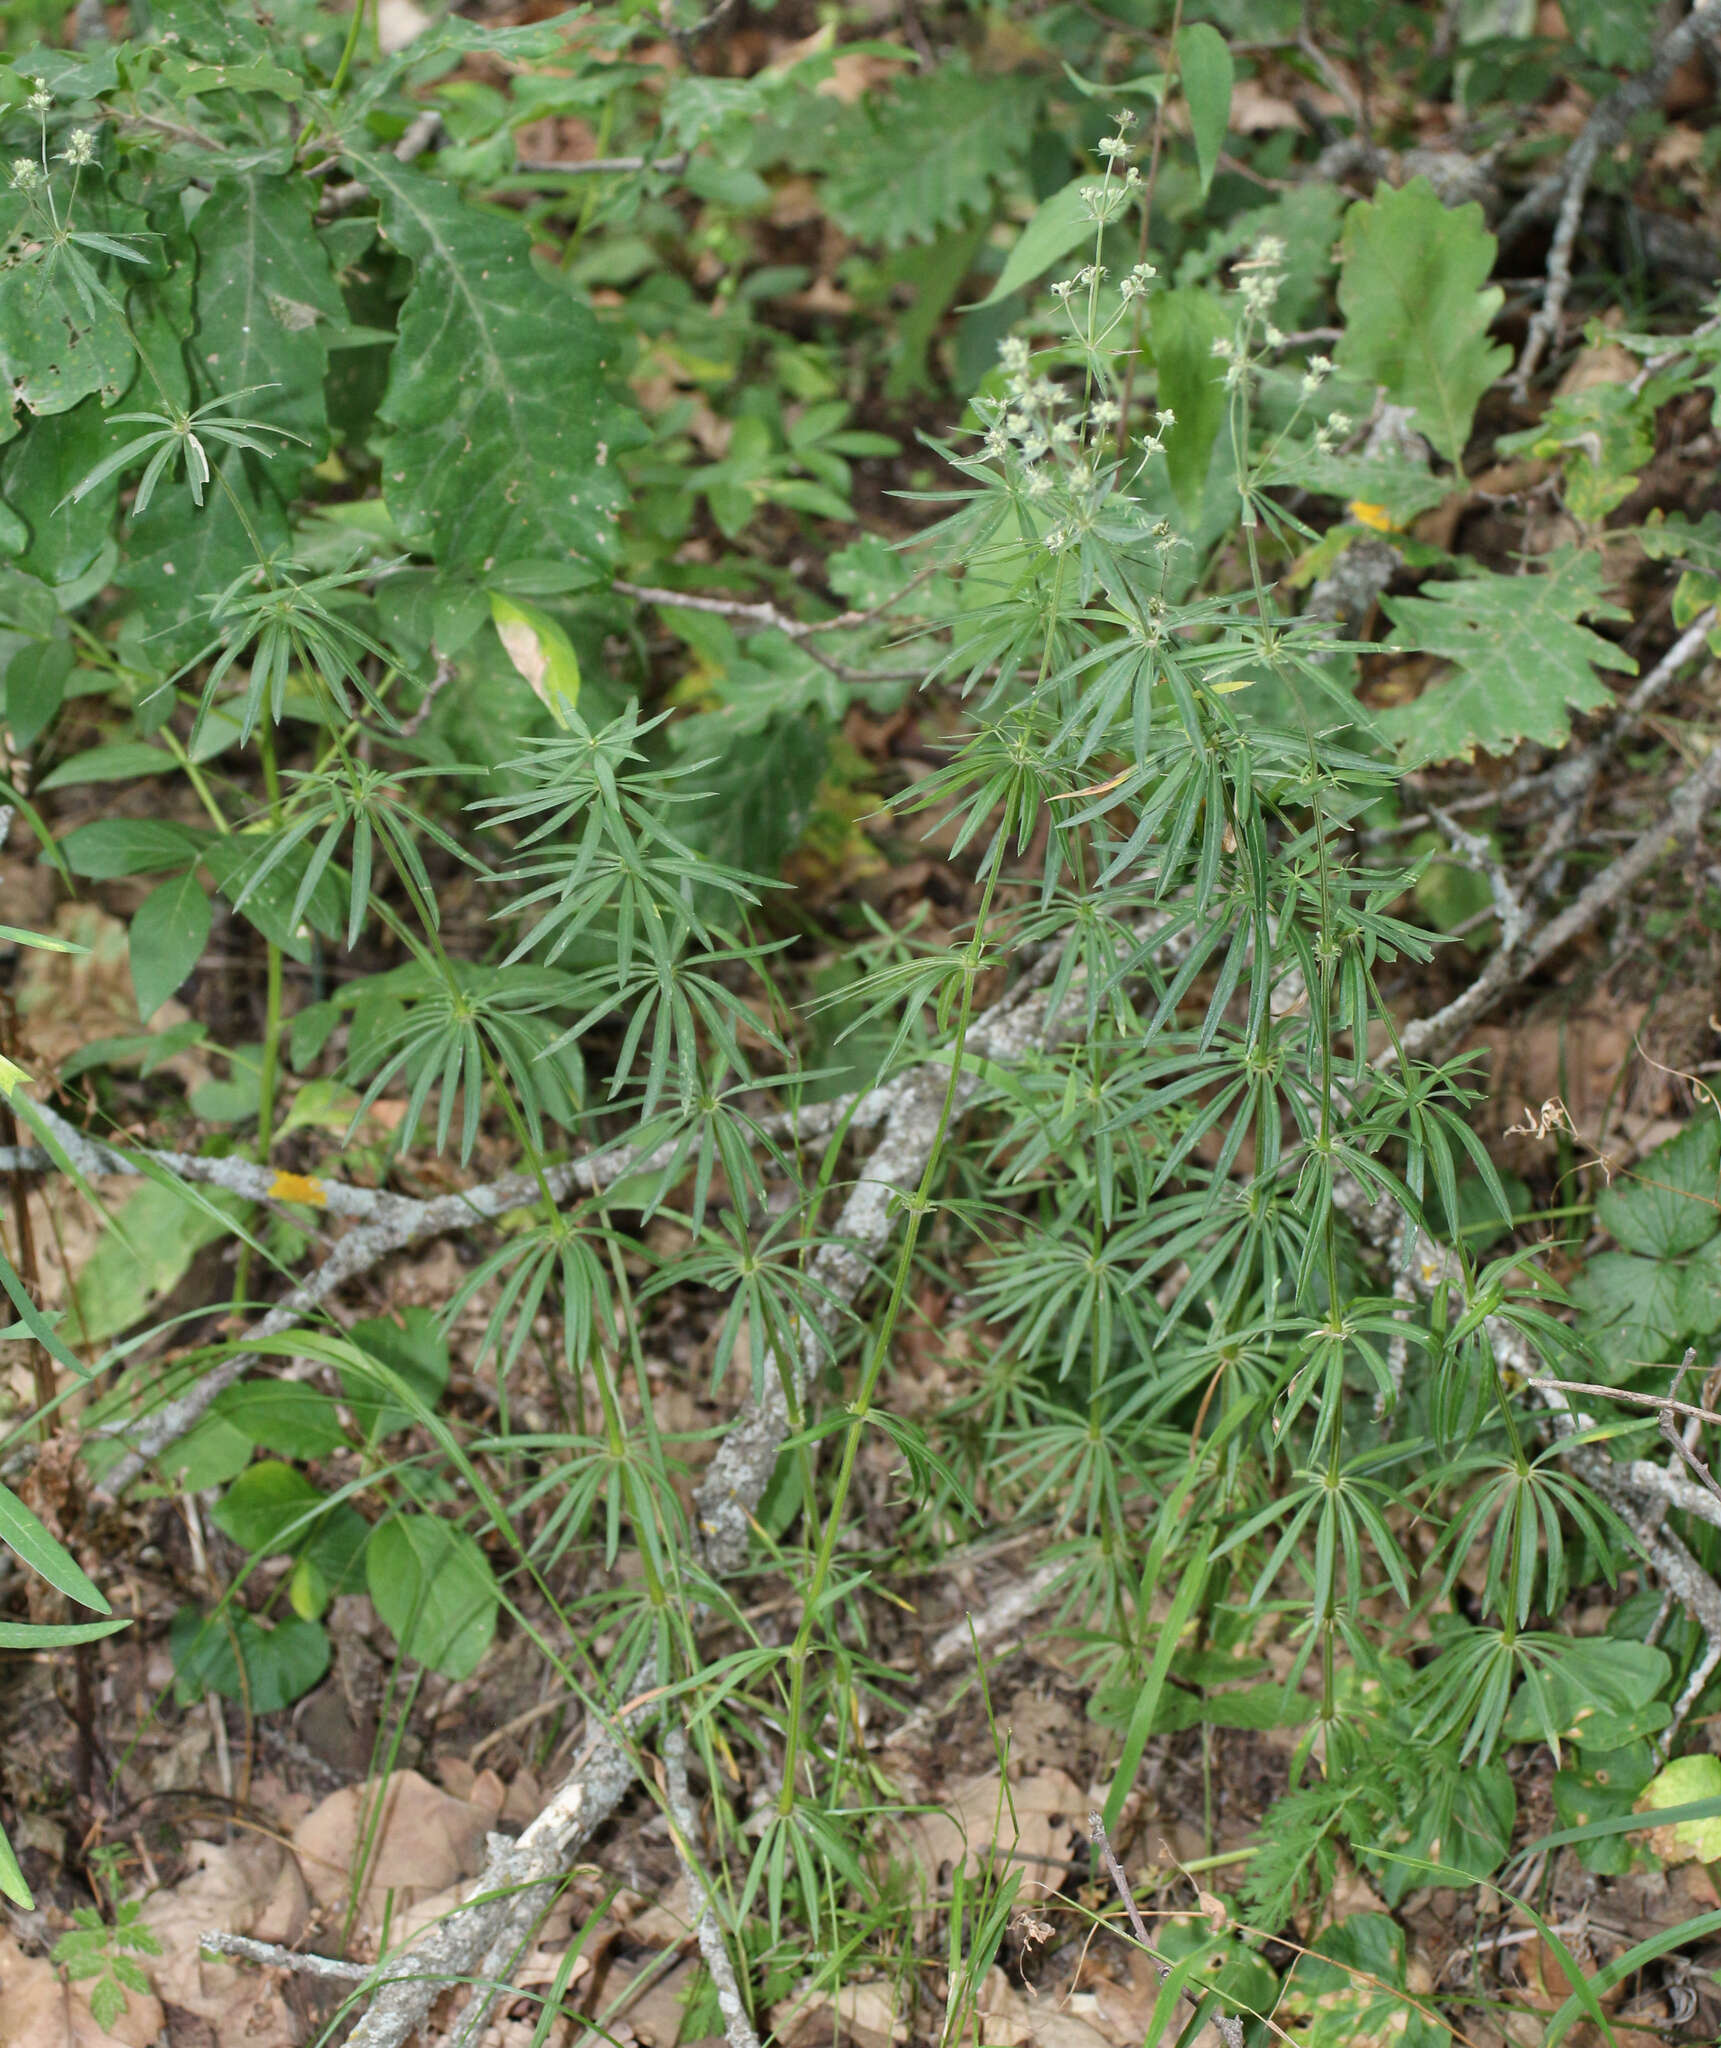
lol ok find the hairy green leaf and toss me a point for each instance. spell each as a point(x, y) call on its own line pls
point(1417, 306)
point(502, 426)
point(1522, 662)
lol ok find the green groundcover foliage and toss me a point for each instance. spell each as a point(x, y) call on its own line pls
point(476, 486)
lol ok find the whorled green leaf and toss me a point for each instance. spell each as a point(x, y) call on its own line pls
point(179, 557)
point(1417, 306)
point(1522, 662)
point(501, 424)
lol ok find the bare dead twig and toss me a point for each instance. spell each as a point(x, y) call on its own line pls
point(1229, 2026)
point(276, 1957)
point(1565, 188)
point(595, 166)
point(1677, 827)
point(738, 2026)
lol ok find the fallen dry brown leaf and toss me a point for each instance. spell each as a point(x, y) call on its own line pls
point(401, 1841)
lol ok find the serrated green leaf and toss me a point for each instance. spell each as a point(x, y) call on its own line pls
point(912, 165)
point(1697, 1301)
point(1205, 71)
point(264, 294)
point(1668, 1205)
point(1417, 307)
point(1628, 1311)
point(169, 930)
point(1522, 661)
point(1610, 31)
point(502, 429)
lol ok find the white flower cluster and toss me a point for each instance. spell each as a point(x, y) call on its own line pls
point(26, 174)
point(1338, 425)
point(41, 100)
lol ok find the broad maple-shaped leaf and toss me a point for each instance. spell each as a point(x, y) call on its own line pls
point(502, 423)
point(1411, 288)
point(1522, 663)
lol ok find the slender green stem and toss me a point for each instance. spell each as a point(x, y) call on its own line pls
point(270, 1064)
point(338, 84)
point(860, 1408)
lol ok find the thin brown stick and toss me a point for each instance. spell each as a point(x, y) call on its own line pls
point(1677, 827)
point(1229, 2026)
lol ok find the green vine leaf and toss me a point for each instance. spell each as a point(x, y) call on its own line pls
point(1417, 307)
point(502, 427)
point(1522, 662)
